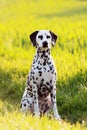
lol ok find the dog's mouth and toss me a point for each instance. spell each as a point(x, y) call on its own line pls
point(44, 46)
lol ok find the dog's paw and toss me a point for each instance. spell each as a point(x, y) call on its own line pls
point(57, 117)
point(36, 114)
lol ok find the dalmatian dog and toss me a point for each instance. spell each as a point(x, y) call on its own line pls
point(40, 93)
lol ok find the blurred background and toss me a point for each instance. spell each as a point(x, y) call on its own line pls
point(67, 19)
point(18, 18)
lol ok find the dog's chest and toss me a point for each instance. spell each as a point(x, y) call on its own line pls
point(44, 68)
point(44, 74)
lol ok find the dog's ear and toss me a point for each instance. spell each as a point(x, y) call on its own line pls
point(33, 38)
point(54, 38)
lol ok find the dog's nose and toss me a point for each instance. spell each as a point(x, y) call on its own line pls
point(45, 44)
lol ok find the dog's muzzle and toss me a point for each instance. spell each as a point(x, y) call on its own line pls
point(45, 44)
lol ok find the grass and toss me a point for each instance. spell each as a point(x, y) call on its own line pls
point(19, 121)
point(18, 19)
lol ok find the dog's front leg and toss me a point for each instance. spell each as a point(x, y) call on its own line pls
point(53, 98)
point(35, 99)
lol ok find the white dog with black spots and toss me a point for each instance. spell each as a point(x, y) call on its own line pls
point(41, 81)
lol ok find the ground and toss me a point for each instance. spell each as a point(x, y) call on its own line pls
point(68, 19)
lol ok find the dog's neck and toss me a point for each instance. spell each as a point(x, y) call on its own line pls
point(43, 53)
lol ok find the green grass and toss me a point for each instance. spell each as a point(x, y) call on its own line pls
point(68, 19)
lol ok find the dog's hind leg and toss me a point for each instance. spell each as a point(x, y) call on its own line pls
point(27, 99)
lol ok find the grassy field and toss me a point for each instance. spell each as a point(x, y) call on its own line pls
point(68, 19)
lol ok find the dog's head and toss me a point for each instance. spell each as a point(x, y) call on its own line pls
point(43, 39)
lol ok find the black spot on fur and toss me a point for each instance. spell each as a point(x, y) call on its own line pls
point(34, 82)
point(34, 92)
point(41, 84)
point(55, 73)
point(50, 81)
point(51, 95)
point(44, 63)
point(42, 56)
point(38, 62)
point(35, 102)
point(44, 68)
point(54, 97)
point(47, 83)
point(50, 68)
point(51, 87)
point(28, 102)
point(33, 77)
point(29, 89)
point(24, 105)
point(36, 78)
point(30, 78)
point(43, 89)
point(42, 80)
point(41, 64)
point(49, 63)
point(39, 68)
point(40, 73)
point(35, 98)
point(34, 62)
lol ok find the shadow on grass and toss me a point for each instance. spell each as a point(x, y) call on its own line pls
point(12, 85)
point(71, 97)
point(66, 13)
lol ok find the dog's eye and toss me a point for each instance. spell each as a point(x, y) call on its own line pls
point(41, 37)
point(48, 36)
